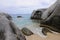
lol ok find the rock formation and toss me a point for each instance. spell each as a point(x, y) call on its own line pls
point(51, 17)
point(8, 30)
point(6, 15)
point(19, 16)
point(36, 14)
point(45, 31)
point(26, 32)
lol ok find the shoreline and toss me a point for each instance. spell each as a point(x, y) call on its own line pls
point(50, 36)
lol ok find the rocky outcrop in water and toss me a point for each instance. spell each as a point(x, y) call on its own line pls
point(36, 14)
point(8, 30)
point(26, 32)
point(19, 16)
point(51, 17)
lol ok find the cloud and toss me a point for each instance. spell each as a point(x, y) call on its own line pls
point(23, 5)
point(18, 3)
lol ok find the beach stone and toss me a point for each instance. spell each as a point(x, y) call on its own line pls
point(45, 31)
point(36, 14)
point(8, 30)
point(51, 17)
point(26, 31)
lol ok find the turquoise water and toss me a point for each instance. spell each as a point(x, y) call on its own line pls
point(25, 21)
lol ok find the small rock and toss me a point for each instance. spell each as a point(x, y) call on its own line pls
point(19, 16)
point(26, 32)
point(45, 31)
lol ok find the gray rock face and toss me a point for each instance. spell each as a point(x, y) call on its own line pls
point(45, 31)
point(8, 30)
point(6, 15)
point(26, 32)
point(51, 17)
point(36, 14)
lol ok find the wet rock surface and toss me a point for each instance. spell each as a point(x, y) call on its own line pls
point(45, 31)
point(26, 32)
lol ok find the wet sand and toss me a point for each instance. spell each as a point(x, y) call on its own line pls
point(38, 34)
point(50, 36)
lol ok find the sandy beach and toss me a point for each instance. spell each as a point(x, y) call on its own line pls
point(50, 36)
point(38, 34)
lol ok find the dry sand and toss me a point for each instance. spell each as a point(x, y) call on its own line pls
point(50, 36)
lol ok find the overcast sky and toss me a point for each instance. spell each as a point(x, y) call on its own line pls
point(23, 6)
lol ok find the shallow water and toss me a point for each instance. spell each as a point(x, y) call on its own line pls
point(25, 21)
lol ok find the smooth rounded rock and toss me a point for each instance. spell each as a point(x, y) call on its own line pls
point(51, 17)
point(36, 14)
point(8, 30)
point(26, 32)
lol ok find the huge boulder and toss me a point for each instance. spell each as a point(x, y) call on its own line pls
point(6, 15)
point(8, 30)
point(51, 17)
point(36, 14)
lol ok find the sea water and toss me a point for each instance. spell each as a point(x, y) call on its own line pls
point(25, 21)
